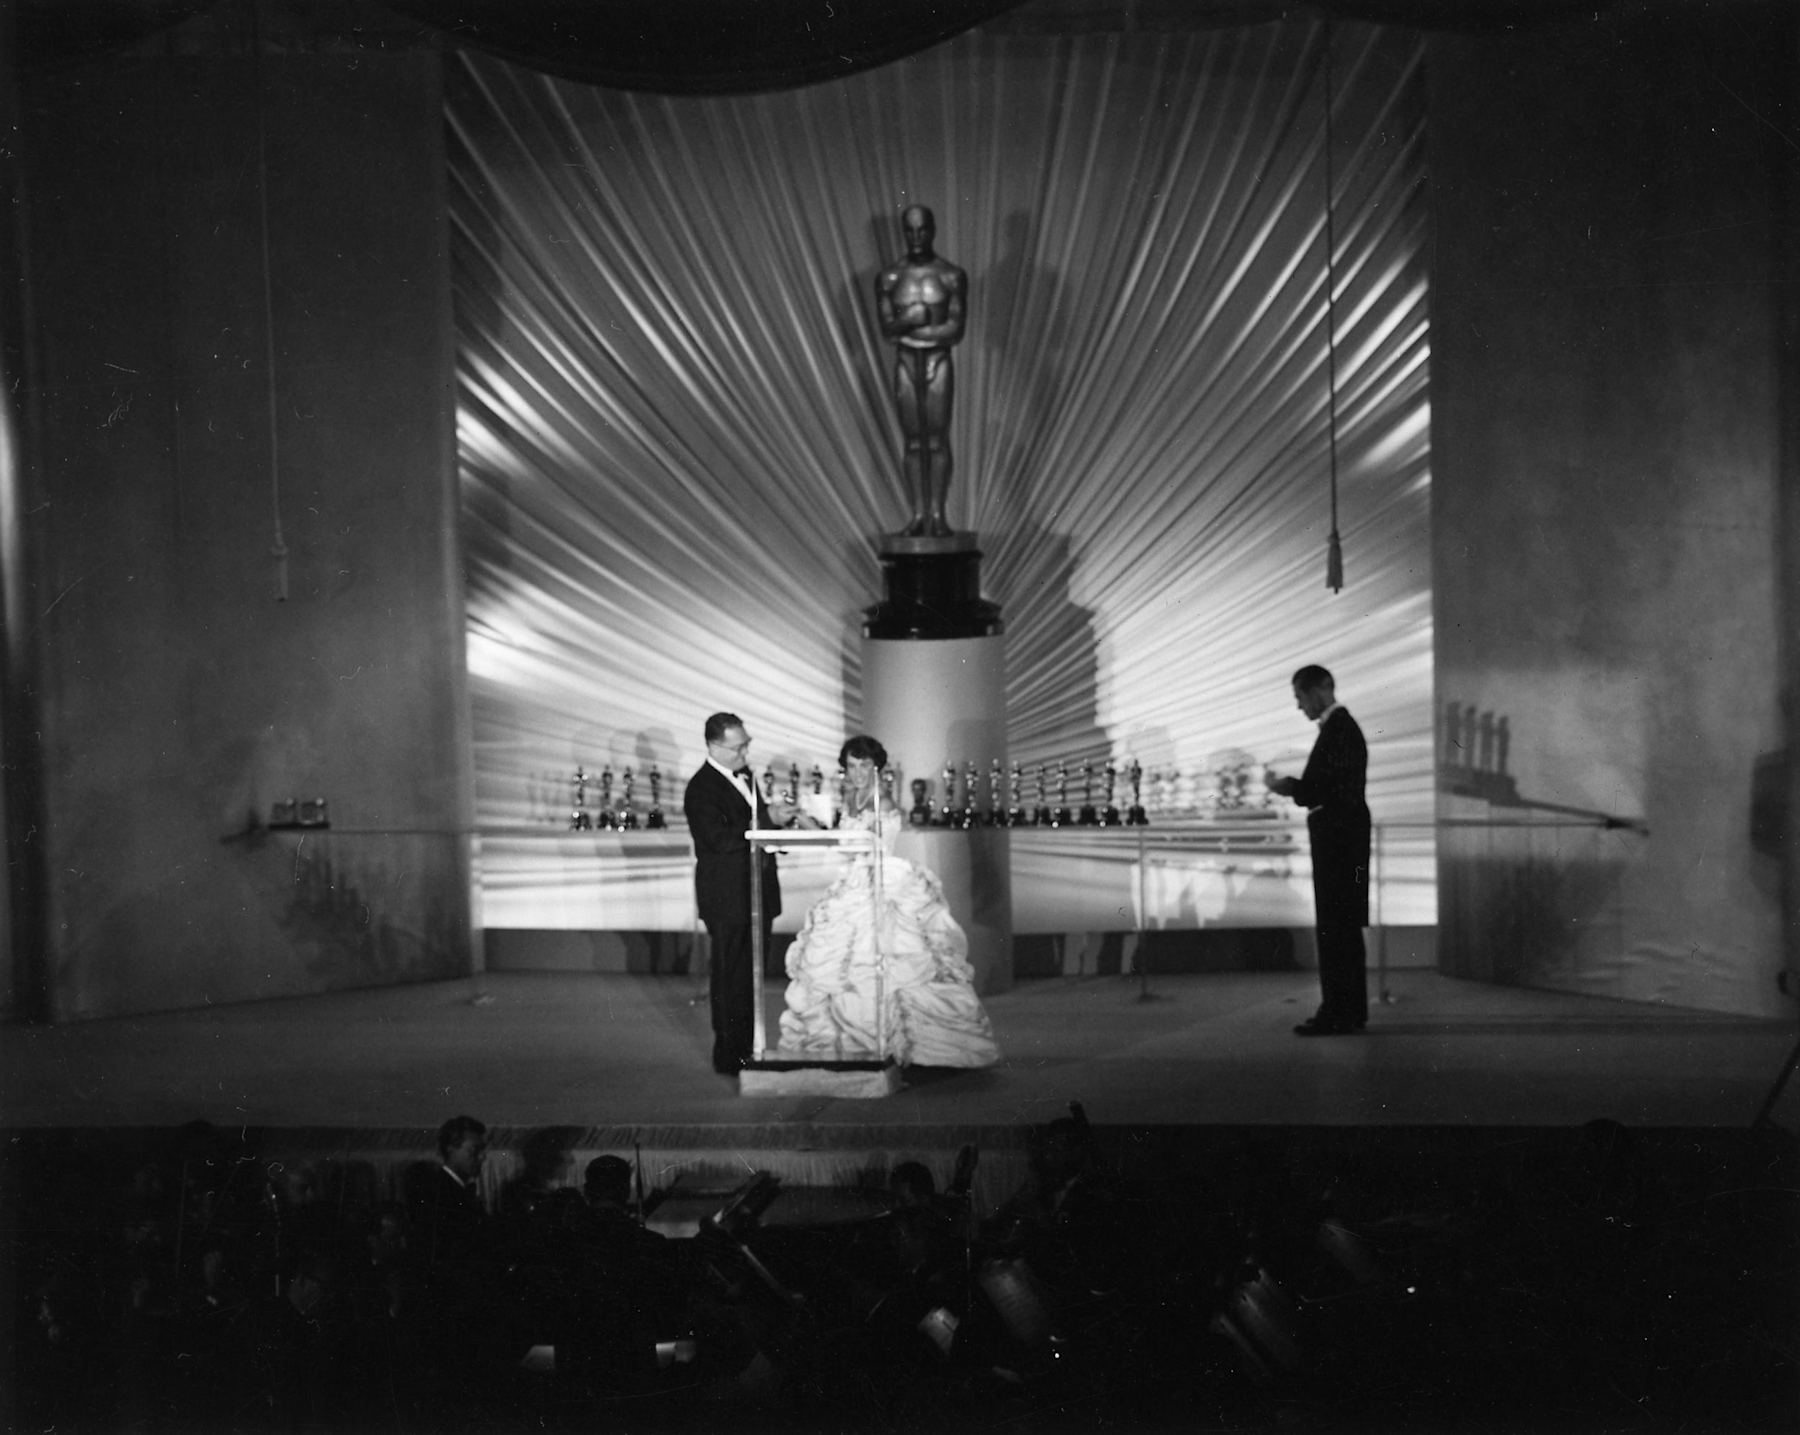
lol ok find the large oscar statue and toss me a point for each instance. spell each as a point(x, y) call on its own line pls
point(932, 573)
point(921, 302)
point(933, 649)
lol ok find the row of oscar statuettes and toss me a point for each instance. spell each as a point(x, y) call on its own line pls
point(1231, 789)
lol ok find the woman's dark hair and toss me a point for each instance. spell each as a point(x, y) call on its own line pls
point(862, 745)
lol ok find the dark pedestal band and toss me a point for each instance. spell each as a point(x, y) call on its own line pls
point(933, 591)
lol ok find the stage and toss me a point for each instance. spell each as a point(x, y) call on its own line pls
point(1537, 1266)
point(623, 1059)
point(533, 1049)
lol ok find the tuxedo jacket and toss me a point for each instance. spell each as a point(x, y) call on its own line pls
point(1338, 820)
point(717, 816)
point(447, 1216)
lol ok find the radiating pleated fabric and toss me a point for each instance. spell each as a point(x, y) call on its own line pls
point(678, 446)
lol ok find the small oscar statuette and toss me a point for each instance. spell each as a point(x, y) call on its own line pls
point(603, 814)
point(579, 821)
point(822, 808)
point(947, 808)
point(654, 819)
point(1230, 789)
point(1015, 811)
point(812, 799)
point(1090, 816)
point(970, 815)
point(767, 786)
point(1062, 817)
point(1041, 816)
point(920, 816)
point(627, 813)
point(1135, 816)
point(1109, 815)
point(996, 808)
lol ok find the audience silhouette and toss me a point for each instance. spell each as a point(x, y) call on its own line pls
point(195, 1285)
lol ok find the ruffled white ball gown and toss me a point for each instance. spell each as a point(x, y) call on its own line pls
point(930, 1012)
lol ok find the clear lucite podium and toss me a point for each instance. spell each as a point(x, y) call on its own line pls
point(775, 1072)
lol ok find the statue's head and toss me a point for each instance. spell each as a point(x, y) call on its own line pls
point(919, 228)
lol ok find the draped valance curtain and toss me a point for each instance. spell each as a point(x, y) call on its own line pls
point(700, 46)
point(678, 448)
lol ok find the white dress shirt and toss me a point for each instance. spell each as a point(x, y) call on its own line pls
point(742, 784)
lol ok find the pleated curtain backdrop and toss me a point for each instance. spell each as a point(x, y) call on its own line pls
point(678, 447)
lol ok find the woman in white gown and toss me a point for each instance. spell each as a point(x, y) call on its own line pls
point(930, 1013)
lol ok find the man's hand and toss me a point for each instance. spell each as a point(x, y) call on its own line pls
point(786, 814)
point(1281, 786)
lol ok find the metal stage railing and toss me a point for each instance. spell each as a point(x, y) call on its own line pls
point(1402, 877)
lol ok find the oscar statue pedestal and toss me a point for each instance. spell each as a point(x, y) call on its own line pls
point(933, 591)
point(934, 693)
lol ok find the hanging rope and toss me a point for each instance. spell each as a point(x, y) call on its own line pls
point(1334, 557)
point(278, 550)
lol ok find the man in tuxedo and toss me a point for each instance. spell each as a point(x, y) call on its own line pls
point(1337, 822)
point(721, 802)
point(460, 1264)
point(444, 1201)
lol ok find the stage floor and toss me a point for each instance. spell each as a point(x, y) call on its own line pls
point(614, 1050)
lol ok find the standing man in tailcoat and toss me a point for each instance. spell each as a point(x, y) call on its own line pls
point(1338, 825)
point(721, 802)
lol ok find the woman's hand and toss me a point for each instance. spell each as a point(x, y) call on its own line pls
point(788, 814)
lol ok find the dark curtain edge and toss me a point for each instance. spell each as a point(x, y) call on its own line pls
point(720, 47)
point(700, 47)
point(784, 52)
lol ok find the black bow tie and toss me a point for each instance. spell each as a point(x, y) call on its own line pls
point(742, 773)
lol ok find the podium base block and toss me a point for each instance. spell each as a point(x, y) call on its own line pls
point(782, 1073)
